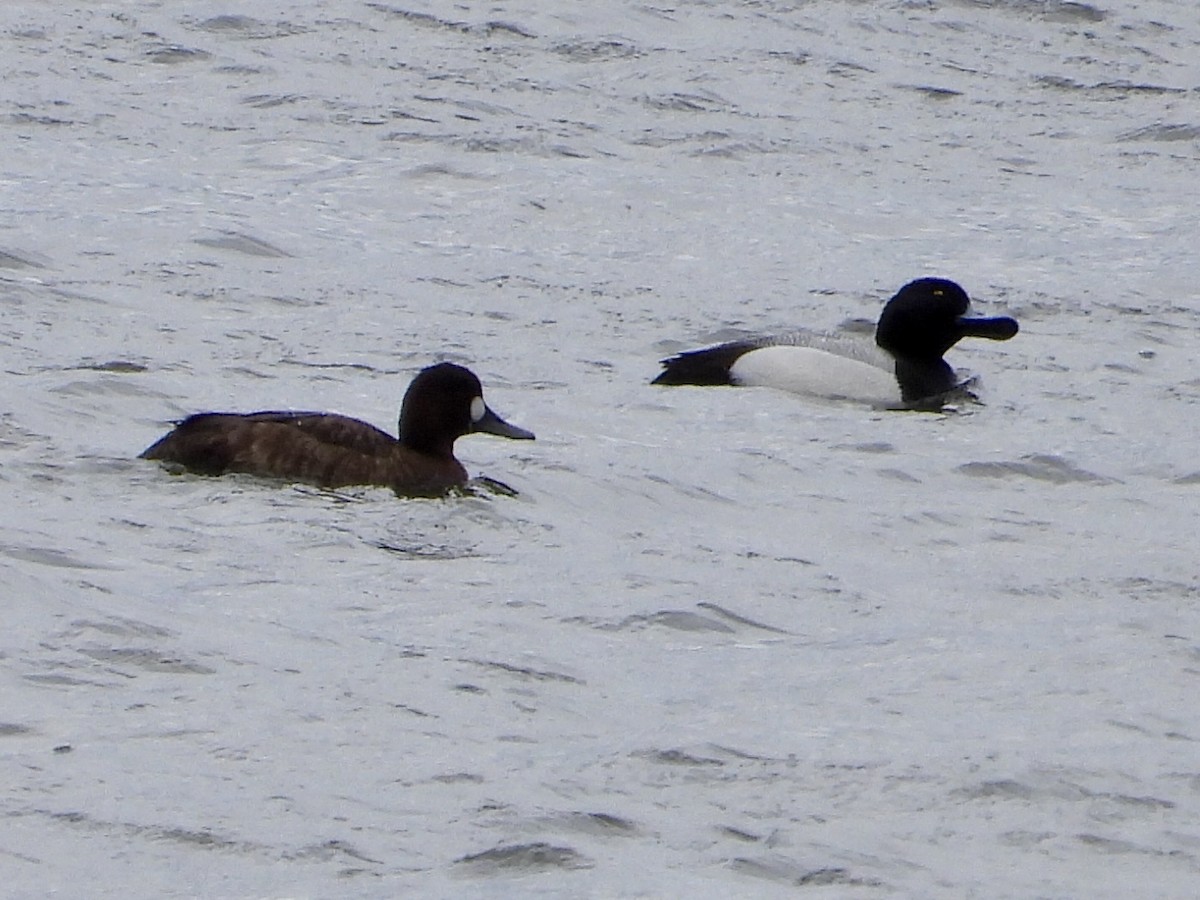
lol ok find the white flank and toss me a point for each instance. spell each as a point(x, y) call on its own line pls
point(819, 373)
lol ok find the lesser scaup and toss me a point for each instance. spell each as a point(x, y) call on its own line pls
point(921, 322)
point(443, 403)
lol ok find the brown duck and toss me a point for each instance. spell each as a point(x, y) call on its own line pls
point(444, 402)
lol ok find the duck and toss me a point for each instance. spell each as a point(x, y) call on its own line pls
point(443, 403)
point(904, 370)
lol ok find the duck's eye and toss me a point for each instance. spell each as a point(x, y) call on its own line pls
point(477, 409)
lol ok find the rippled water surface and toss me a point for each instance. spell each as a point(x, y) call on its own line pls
point(721, 643)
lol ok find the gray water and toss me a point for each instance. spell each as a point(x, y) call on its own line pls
point(722, 643)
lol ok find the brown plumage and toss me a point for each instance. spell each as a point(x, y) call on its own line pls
point(443, 403)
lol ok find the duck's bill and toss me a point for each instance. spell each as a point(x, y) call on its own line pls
point(490, 423)
point(1000, 328)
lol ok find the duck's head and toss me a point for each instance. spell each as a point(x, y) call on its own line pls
point(929, 316)
point(925, 319)
point(444, 402)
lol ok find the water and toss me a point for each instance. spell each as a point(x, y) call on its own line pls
point(723, 642)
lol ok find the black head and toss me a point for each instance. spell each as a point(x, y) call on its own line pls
point(443, 403)
point(925, 319)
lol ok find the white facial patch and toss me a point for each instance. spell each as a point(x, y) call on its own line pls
point(477, 409)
